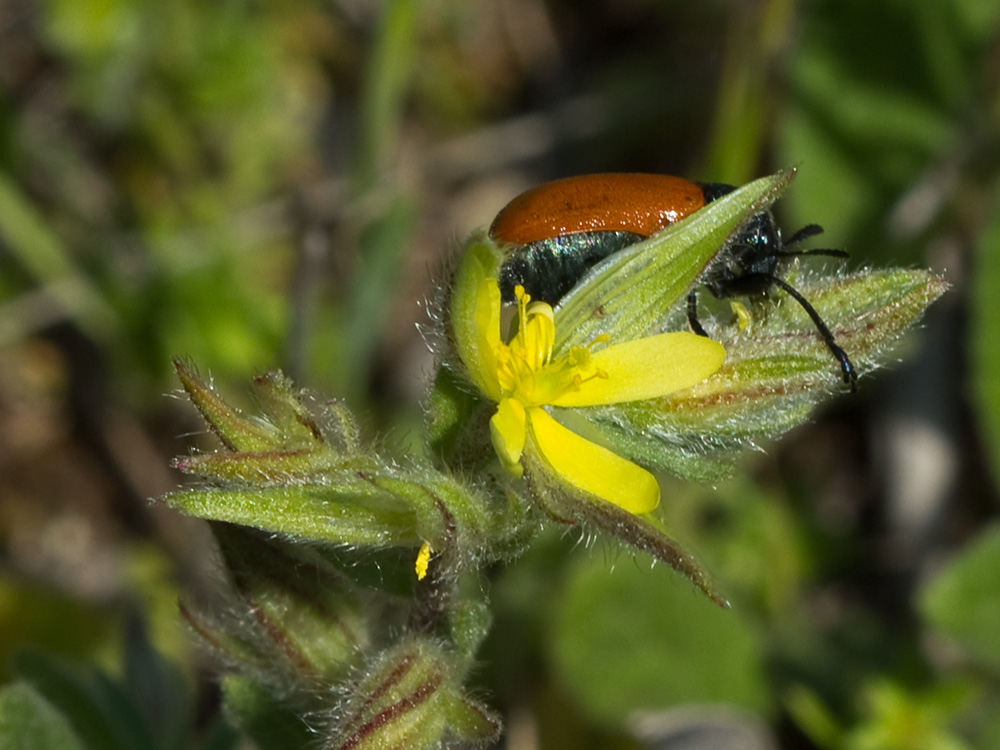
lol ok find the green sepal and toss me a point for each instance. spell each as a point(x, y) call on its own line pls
point(237, 432)
point(567, 504)
point(272, 720)
point(457, 422)
point(468, 720)
point(290, 421)
point(629, 294)
point(385, 506)
point(776, 372)
point(235, 642)
point(306, 476)
point(287, 412)
point(410, 696)
point(464, 313)
point(297, 618)
point(470, 623)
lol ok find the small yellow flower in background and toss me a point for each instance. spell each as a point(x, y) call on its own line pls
point(525, 375)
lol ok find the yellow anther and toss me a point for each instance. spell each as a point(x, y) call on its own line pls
point(423, 561)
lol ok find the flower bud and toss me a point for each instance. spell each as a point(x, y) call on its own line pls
point(303, 473)
point(410, 695)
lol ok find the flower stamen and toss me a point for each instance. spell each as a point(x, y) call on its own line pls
point(526, 370)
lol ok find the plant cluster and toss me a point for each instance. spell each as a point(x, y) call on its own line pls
point(358, 595)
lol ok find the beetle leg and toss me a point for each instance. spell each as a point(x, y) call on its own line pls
point(847, 369)
point(692, 306)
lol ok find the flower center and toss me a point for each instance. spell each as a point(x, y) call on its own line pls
point(525, 367)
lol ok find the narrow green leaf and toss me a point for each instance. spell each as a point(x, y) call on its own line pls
point(261, 468)
point(352, 512)
point(386, 79)
point(27, 236)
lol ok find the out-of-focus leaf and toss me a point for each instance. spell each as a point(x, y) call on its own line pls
point(871, 113)
point(37, 616)
point(26, 235)
point(985, 336)
point(963, 601)
point(100, 714)
point(29, 722)
point(902, 720)
point(638, 640)
point(273, 724)
point(380, 270)
point(389, 70)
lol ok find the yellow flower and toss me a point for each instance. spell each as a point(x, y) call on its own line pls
point(525, 376)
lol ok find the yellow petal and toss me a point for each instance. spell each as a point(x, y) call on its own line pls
point(592, 468)
point(647, 368)
point(508, 428)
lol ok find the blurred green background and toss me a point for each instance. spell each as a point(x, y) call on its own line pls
point(262, 185)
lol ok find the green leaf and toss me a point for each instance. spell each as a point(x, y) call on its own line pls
point(963, 601)
point(285, 474)
point(350, 511)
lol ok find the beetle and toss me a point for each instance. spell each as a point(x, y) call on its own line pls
point(554, 232)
